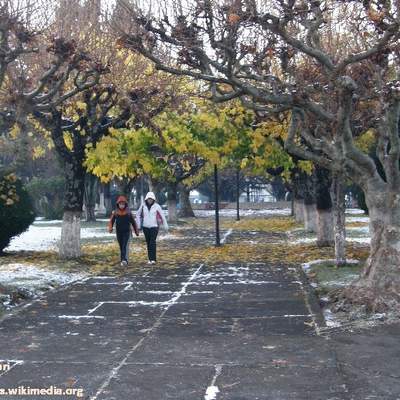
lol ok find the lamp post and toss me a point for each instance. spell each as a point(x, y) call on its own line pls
point(217, 231)
point(237, 194)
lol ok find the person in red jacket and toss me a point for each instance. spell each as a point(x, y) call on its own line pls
point(124, 222)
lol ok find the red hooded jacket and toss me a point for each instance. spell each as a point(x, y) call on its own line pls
point(122, 218)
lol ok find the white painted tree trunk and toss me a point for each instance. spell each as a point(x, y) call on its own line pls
point(310, 217)
point(70, 245)
point(339, 220)
point(325, 236)
point(102, 206)
point(298, 208)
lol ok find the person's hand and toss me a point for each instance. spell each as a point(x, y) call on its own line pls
point(110, 230)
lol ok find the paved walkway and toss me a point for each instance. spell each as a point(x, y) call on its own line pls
point(227, 332)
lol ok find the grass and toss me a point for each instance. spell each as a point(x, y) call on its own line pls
point(329, 278)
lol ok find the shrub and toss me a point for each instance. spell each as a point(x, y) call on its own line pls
point(16, 209)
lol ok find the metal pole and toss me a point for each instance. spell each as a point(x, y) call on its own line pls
point(217, 233)
point(237, 194)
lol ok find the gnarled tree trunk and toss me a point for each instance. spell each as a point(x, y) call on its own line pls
point(322, 182)
point(339, 220)
point(186, 210)
point(70, 245)
point(379, 284)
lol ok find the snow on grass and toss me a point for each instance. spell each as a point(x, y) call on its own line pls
point(303, 240)
point(45, 235)
point(231, 212)
point(360, 229)
point(365, 240)
point(357, 219)
point(36, 238)
point(354, 211)
point(32, 277)
point(307, 266)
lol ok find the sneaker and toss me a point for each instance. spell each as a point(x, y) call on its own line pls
point(152, 262)
point(149, 262)
point(124, 263)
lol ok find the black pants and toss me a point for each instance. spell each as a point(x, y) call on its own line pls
point(151, 235)
point(123, 241)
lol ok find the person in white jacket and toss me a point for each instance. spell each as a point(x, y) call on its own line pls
point(150, 216)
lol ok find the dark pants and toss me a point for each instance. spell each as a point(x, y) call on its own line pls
point(151, 235)
point(123, 241)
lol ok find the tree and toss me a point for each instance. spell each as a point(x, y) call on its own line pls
point(332, 65)
point(71, 138)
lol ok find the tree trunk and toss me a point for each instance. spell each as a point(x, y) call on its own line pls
point(125, 187)
point(238, 194)
point(107, 199)
point(322, 181)
point(379, 285)
point(171, 201)
point(310, 217)
point(324, 228)
point(339, 221)
point(70, 245)
point(91, 185)
point(102, 207)
point(186, 210)
point(158, 188)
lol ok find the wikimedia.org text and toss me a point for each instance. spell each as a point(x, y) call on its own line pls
point(49, 391)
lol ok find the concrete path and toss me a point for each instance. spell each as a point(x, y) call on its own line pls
point(226, 332)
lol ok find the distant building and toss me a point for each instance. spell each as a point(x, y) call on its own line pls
point(257, 194)
point(197, 198)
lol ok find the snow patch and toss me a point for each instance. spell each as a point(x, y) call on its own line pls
point(226, 235)
point(330, 319)
point(360, 240)
point(306, 266)
point(358, 219)
point(32, 277)
point(211, 393)
point(354, 211)
point(41, 237)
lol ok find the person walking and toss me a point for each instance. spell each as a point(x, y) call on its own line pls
point(124, 222)
point(150, 216)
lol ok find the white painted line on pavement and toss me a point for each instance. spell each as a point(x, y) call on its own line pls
point(213, 390)
point(115, 370)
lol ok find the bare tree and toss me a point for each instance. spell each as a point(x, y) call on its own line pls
point(333, 65)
